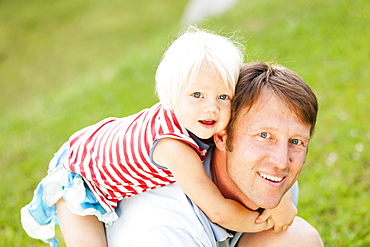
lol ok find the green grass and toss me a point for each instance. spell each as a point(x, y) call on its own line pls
point(67, 64)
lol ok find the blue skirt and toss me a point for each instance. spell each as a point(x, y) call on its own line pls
point(40, 216)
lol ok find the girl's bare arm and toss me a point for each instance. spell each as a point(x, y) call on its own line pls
point(187, 168)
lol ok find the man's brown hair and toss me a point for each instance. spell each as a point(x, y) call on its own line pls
point(287, 85)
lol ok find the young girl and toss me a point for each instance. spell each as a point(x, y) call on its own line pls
point(122, 157)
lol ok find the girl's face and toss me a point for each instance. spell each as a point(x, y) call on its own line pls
point(204, 108)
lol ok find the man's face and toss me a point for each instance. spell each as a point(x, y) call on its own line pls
point(269, 149)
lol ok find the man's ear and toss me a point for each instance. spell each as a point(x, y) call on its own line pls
point(220, 140)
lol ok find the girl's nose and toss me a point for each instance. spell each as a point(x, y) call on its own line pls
point(211, 107)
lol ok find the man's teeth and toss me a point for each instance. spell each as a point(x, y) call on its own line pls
point(272, 178)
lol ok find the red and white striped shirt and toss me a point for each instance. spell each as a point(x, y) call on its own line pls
point(114, 155)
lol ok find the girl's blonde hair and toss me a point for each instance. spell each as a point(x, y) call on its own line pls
point(181, 62)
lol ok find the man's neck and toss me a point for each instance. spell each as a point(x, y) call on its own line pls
point(224, 183)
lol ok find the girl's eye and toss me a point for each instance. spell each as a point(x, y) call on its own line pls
point(264, 135)
point(223, 97)
point(197, 95)
point(296, 142)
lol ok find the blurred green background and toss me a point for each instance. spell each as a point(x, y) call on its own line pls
point(68, 64)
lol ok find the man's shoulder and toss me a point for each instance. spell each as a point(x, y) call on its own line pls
point(169, 218)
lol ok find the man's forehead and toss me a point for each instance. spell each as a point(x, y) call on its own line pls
point(269, 109)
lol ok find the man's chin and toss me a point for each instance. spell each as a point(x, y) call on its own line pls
point(269, 203)
point(262, 199)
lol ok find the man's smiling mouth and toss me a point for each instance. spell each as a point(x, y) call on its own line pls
point(271, 178)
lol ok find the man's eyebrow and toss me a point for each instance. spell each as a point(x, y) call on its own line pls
point(305, 137)
point(263, 128)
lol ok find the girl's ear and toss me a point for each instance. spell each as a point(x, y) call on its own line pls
point(220, 140)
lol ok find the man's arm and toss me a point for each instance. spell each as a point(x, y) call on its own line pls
point(300, 233)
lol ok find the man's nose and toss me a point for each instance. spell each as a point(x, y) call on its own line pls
point(279, 155)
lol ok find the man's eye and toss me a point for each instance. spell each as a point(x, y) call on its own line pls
point(264, 135)
point(223, 97)
point(296, 142)
point(197, 95)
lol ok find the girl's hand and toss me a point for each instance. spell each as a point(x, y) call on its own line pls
point(266, 216)
point(284, 214)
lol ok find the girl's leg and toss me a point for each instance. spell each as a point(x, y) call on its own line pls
point(80, 230)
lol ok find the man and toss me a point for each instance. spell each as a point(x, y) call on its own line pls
point(256, 161)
